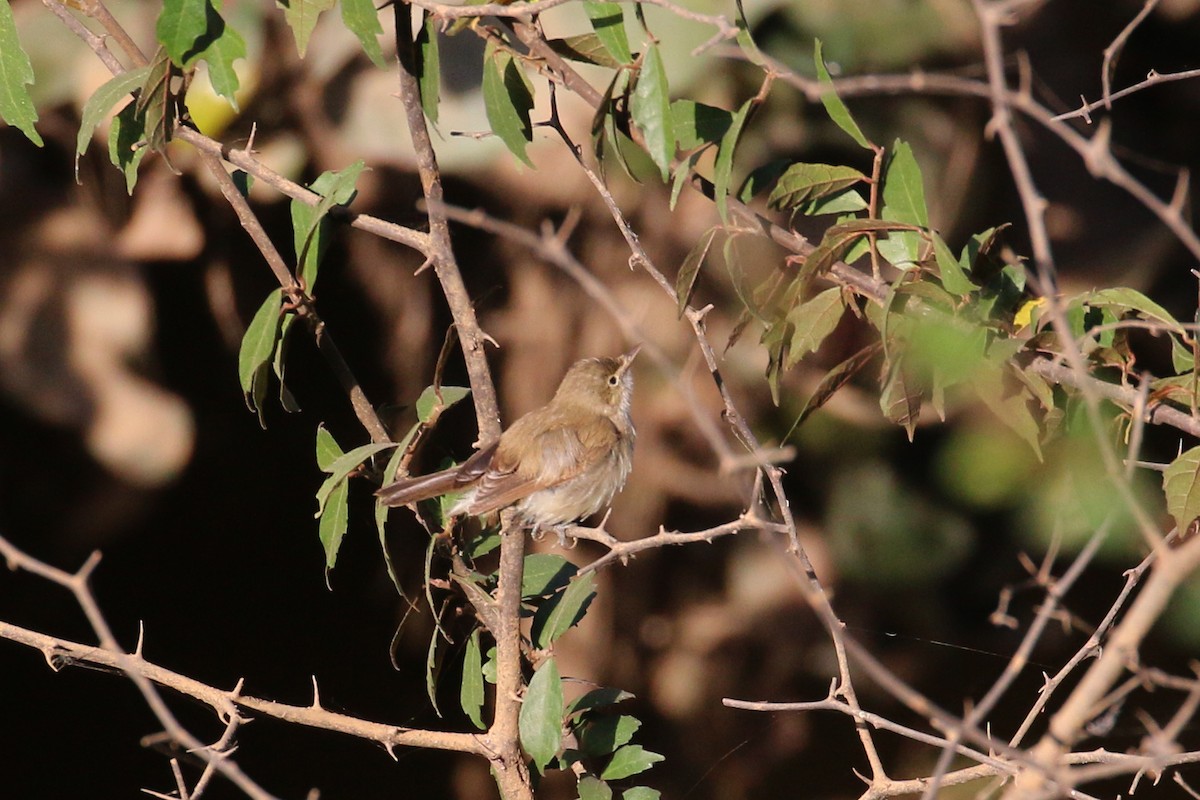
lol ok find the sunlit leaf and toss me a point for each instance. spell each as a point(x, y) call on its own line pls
point(438, 399)
point(361, 18)
point(429, 67)
point(309, 224)
point(1122, 299)
point(1181, 484)
point(651, 110)
point(471, 693)
point(100, 104)
point(563, 611)
point(343, 465)
point(180, 24)
point(608, 21)
point(541, 718)
point(156, 101)
point(328, 450)
point(301, 16)
point(641, 793)
point(545, 573)
point(629, 760)
point(762, 178)
point(903, 201)
point(332, 527)
point(220, 46)
point(258, 346)
point(585, 48)
point(953, 278)
point(812, 321)
point(697, 124)
point(602, 736)
point(685, 283)
point(833, 104)
point(802, 183)
point(16, 72)
point(508, 99)
point(124, 135)
point(592, 788)
point(723, 169)
point(597, 698)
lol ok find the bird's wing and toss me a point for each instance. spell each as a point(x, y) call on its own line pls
point(551, 457)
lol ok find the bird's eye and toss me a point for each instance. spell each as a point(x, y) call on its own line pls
point(613, 380)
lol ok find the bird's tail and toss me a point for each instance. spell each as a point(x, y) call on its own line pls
point(411, 490)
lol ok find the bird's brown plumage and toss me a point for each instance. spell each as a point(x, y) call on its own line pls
point(557, 464)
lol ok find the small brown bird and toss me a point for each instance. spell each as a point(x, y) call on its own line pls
point(557, 464)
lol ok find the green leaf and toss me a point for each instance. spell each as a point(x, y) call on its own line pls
point(470, 696)
point(180, 24)
point(125, 134)
point(100, 103)
point(651, 110)
point(308, 222)
point(433, 664)
point(603, 736)
point(847, 201)
point(1010, 408)
point(760, 178)
point(361, 18)
point(592, 788)
point(156, 101)
point(1181, 484)
point(903, 201)
point(333, 522)
point(545, 573)
point(641, 793)
point(954, 280)
point(745, 40)
point(811, 322)
point(835, 379)
point(697, 124)
point(286, 399)
point(802, 183)
point(597, 698)
point(683, 171)
point(381, 510)
point(834, 106)
point(429, 67)
point(608, 21)
point(220, 46)
point(563, 611)
point(508, 99)
point(301, 16)
point(900, 398)
point(629, 760)
point(258, 345)
point(1120, 300)
point(16, 72)
point(540, 722)
point(585, 48)
point(428, 402)
point(685, 283)
point(343, 465)
point(723, 169)
point(328, 450)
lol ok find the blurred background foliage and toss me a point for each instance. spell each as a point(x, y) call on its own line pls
point(124, 428)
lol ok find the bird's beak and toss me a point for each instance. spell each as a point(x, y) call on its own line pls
point(627, 359)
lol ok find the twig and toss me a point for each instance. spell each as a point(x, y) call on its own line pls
point(1113, 51)
point(1152, 79)
point(111, 654)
